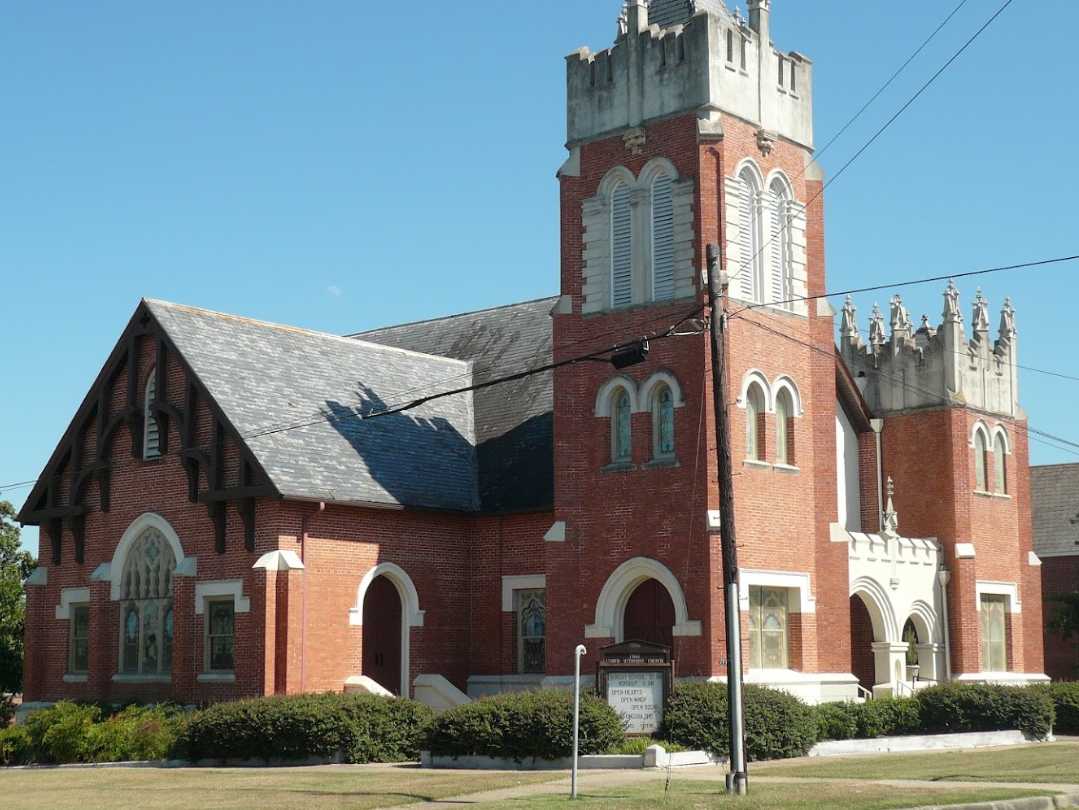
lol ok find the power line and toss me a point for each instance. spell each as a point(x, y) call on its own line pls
point(947, 277)
point(887, 124)
point(17, 485)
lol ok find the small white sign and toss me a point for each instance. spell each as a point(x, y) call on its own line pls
point(637, 697)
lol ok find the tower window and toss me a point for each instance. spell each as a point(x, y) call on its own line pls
point(782, 69)
point(663, 424)
point(662, 238)
point(981, 462)
point(1000, 465)
point(794, 77)
point(785, 428)
point(755, 424)
point(730, 45)
point(621, 429)
point(781, 250)
point(743, 53)
point(751, 265)
point(621, 246)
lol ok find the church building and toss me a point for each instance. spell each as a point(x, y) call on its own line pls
point(241, 508)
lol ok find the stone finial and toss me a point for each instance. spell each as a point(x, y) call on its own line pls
point(951, 304)
point(1007, 319)
point(900, 317)
point(980, 317)
point(876, 327)
point(848, 326)
point(890, 518)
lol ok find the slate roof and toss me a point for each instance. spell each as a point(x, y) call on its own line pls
point(1054, 496)
point(666, 13)
point(264, 375)
point(514, 422)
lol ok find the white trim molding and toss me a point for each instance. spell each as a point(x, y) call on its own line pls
point(221, 588)
point(1033, 559)
point(69, 597)
point(557, 532)
point(777, 579)
point(406, 589)
point(755, 375)
point(525, 582)
point(787, 382)
point(652, 384)
point(605, 395)
point(1009, 589)
point(185, 566)
point(280, 560)
point(620, 585)
point(39, 576)
point(964, 551)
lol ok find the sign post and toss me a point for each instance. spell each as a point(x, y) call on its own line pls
point(577, 653)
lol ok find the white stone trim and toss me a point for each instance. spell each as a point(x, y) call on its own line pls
point(557, 532)
point(981, 427)
point(216, 677)
point(657, 167)
point(280, 560)
point(611, 605)
point(39, 576)
point(785, 381)
point(879, 604)
point(411, 615)
point(1005, 678)
point(123, 677)
point(715, 520)
point(103, 573)
point(221, 588)
point(605, 395)
point(650, 386)
point(755, 375)
point(524, 582)
point(148, 520)
point(69, 597)
point(964, 551)
point(1033, 559)
point(76, 677)
point(999, 430)
point(777, 579)
point(1009, 589)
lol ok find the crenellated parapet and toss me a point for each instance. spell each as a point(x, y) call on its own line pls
point(702, 59)
point(907, 368)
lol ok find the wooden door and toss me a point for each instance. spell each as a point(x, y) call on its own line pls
point(382, 634)
point(649, 615)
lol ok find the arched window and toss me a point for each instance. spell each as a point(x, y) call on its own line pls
point(981, 462)
point(750, 266)
point(755, 433)
point(621, 428)
point(1000, 464)
point(146, 620)
point(663, 423)
point(662, 238)
point(151, 437)
point(621, 246)
point(785, 428)
point(910, 637)
point(779, 237)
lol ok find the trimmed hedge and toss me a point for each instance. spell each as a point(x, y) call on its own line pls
point(952, 707)
point(1065, 697)
point(354, 728)
point(778, 725)
point(525, 725)
point(886, 717)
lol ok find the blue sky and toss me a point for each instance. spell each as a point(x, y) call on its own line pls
point(342, 165)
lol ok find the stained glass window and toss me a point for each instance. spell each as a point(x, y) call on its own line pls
point(531, 631)
point(621, 429)
point(220, 635)
point(981, 453)
point(994, 611)
point(785, 428)
point(79, 660)
point(146, 606)
point(663, 423)
point(910, 636)
point(767, 628)
point(1000, 465)
point(755, 408)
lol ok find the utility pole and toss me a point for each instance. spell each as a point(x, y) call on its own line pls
point(738, 778)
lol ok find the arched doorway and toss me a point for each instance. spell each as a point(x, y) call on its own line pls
point(382, 616)
point(863, 665)
point(649, 614)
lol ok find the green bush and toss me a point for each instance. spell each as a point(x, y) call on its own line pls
point(778, 725)
point(638, 745)
point(136, 733)
point(985, 707)
point(358, 728)
point(16, 748)
point(886, 717)
point(525, 725)
point(1065, 697)
point(61, 733)
point(838, 721)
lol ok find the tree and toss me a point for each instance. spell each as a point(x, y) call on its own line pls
point(15, 566)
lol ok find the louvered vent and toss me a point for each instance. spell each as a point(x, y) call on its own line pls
point(747, 242)
point(662, 238)
point(151, 445)
point(621, 247)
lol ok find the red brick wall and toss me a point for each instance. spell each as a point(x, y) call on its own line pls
point(1060, 575)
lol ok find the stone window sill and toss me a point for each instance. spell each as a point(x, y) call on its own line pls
point(129, 678)
point(1001, 495)
point(76, 677)
point(662, 463)
point(620, 466)
point(217, 677)
point(786, 468)
point(752, 462)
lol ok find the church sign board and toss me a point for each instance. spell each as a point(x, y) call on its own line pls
point(635, 678)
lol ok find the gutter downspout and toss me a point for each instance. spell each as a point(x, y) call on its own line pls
point(303, 596)
point(943, 577)
point(878, 427)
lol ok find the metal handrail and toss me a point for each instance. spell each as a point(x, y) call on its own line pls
point(864, 693)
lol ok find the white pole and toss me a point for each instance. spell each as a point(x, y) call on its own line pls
point(577, 653)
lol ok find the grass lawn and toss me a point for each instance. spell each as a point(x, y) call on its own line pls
point(692, 794)
point(261, 788)
point(1044, 763)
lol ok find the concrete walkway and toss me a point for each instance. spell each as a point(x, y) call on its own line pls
point(591, 781)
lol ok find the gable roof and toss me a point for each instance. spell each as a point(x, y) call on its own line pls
point(1054, 500)
point(514, 422)
point(294, 396)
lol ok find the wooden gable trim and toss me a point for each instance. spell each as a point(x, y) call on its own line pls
point(41, 505)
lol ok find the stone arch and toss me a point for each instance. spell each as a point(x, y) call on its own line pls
point(981, 427)
point(785, 382)
point(620, 585)
point(748, 167)
point(999, 431)
point(149, 520)
point(653, 384)
point(656, 167)
point(756, 376)
point(611, 180)
point(605, 395)
point(881, 612)
point(411, 615)
point(925, 621)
